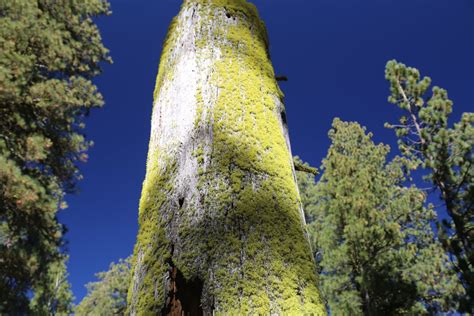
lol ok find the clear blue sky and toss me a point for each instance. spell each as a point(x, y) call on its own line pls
point(334, 53)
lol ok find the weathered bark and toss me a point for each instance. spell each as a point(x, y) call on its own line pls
point(220, 216)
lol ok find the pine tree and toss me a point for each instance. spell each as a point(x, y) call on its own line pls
point(372, 237)
point(107, 296)
point(50, 50)
point(53, 294)
point(446, 153)
point(221, 226)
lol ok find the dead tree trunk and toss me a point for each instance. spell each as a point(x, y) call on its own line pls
point(221, 226)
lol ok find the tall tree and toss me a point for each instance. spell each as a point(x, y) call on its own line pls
point(372, 237)
point(108, 296)
point(50, 50)
point(53, 294)
point(446, 152)
point(221, 227)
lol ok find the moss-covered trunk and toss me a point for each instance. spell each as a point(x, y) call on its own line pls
point(221, 227)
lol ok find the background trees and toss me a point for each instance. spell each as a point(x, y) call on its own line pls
point(53, 296)
point(108, 296)
point(371, 235)
point(50, 52)
point(446, 155)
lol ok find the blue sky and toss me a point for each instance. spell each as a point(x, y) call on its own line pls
point(334, 54)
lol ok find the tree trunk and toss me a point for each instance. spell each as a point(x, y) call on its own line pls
point(221, 225)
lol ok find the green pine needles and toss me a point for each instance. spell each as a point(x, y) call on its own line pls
point(108, 296)
point(445, 152)
point(372, 235)
point(235, 234)
point(53, 296)
point(50, 50)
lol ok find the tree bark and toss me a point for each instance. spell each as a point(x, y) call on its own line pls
point(221, 224)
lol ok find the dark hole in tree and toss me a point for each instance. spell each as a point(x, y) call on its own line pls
point(283, 117)
point(228, 15)
point(184, 298)
point(181, 202)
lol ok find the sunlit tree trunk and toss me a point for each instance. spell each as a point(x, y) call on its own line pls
point(221, 226)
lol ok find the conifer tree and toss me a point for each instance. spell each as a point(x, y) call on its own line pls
point(53, 294)
point(371, 236)
point(50, 50)
point(446, 152)
point(107, 296)
point(221, 226)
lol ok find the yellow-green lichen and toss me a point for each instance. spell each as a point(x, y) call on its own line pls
point(199, 107)
point(152, 242)
point(243, 233)
point(199, 154)
point(165, 70)
point(264, 224)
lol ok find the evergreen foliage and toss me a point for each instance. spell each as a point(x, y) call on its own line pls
point(426, 139)
point(50, 50)
point(371, 236)
point(54, 295)
point(108, 296)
